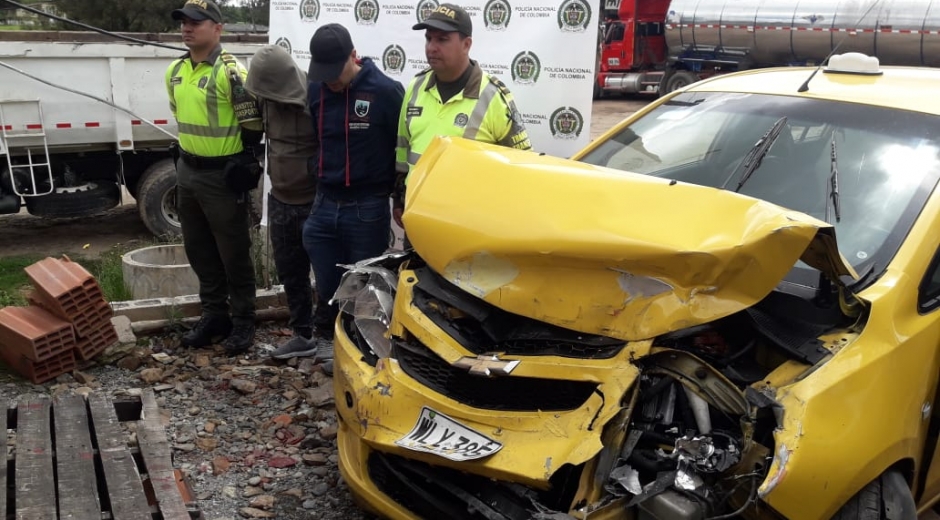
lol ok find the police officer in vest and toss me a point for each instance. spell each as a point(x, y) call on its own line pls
point(219, 123)
point(453, 97)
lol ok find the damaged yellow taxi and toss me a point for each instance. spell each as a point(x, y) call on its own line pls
point(727, 306)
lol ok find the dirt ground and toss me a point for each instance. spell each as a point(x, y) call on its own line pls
point(24, 234)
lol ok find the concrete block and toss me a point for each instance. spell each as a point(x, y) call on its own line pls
point(122, 325)
point(187, 306)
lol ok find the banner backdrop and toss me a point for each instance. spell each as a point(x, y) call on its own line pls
point(543, 50)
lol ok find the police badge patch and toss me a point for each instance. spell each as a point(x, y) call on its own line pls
point(362, 107)
point(461, 120)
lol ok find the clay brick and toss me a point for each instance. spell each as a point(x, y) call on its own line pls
point(42, 371)
point(34, 333)
point(64, 287)
point(103, 337)
point(91, 319)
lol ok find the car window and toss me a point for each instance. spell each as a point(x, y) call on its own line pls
point(930, 287)
point(888, 160)
point(669, 141)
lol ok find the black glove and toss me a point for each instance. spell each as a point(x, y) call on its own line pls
point(174, 150)
point(242, 173)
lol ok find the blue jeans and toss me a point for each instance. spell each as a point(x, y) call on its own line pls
point(342, 232)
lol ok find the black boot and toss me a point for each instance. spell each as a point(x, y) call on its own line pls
point(208, 330)
point(241, 338)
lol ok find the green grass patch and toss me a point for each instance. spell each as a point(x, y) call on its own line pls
point(107, 270)
point(15, 285)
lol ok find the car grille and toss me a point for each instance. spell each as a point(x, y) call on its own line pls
point(498, 393)
point(436, 492)
point(483, 328)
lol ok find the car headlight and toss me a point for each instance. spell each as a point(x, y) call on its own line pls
point(367, 294)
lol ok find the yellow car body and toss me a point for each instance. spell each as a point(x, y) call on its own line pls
point(635, 259)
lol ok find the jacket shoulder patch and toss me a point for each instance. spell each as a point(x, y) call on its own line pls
point(503, 89)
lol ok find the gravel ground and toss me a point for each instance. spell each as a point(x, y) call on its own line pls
point(256, 436)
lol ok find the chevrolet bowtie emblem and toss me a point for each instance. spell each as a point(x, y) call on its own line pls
point(487, 365)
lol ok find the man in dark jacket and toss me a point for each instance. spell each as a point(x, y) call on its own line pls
point(281, 88)
point(355, 108)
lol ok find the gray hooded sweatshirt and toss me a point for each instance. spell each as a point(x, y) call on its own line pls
point(281, 89)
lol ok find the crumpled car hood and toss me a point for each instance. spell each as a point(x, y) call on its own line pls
point(599, 250)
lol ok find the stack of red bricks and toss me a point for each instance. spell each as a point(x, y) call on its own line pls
point(67, 320)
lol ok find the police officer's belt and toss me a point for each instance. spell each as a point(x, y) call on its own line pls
point(204, 163)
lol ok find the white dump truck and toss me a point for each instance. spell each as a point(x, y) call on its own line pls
point(82, 114)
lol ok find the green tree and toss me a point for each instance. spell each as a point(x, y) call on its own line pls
point(122, 15)
point(152, 15)
point(256, 11)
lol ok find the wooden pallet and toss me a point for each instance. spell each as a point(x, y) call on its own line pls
point(71, 460)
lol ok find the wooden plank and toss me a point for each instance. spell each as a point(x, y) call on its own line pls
point(155, 450)
point(125, 491)
point(3, 466)
point(34, 477)
point(75, 460)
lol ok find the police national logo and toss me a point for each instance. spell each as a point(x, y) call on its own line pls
point(525, 68)
point(574, 15)
point(425, 8)
point(496, 15)
point(393, 59)
point(566, 123)
point(309, 10)
point(284, 43)
point(367, 12)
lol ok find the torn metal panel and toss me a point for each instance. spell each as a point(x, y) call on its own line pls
point(607, 268)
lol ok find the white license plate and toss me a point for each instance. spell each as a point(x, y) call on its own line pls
point(438, 434)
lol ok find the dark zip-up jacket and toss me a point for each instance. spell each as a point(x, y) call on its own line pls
point(357, 131)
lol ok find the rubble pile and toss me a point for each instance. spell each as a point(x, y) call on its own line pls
point(256, 437)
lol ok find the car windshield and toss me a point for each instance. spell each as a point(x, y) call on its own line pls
point(888, 161)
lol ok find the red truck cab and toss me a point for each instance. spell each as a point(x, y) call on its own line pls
point(632, 52)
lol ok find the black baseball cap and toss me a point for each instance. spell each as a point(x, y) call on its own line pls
point(449, 18)
point(198, 10)
point(330, 48)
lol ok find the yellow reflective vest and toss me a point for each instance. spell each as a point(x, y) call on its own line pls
point(201, 101)
point(483, 111)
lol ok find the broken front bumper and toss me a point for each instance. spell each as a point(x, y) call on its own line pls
point(541, 450)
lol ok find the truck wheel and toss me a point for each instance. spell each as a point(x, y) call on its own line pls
point(680, 79)
point(885, 498)
point(76, 201)
point(156, 199)
point(598, 91)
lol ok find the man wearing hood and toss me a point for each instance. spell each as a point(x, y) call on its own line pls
point(355, 111)
point(281, 89)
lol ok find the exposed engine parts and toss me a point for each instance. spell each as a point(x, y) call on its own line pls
point(685, 452)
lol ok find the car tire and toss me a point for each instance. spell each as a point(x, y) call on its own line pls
point(886, 498)
point(156, 200)
point(76, 201)
point(680, 79)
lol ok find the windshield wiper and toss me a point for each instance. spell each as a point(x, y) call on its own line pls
point(756, 154)
point(833, 197)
